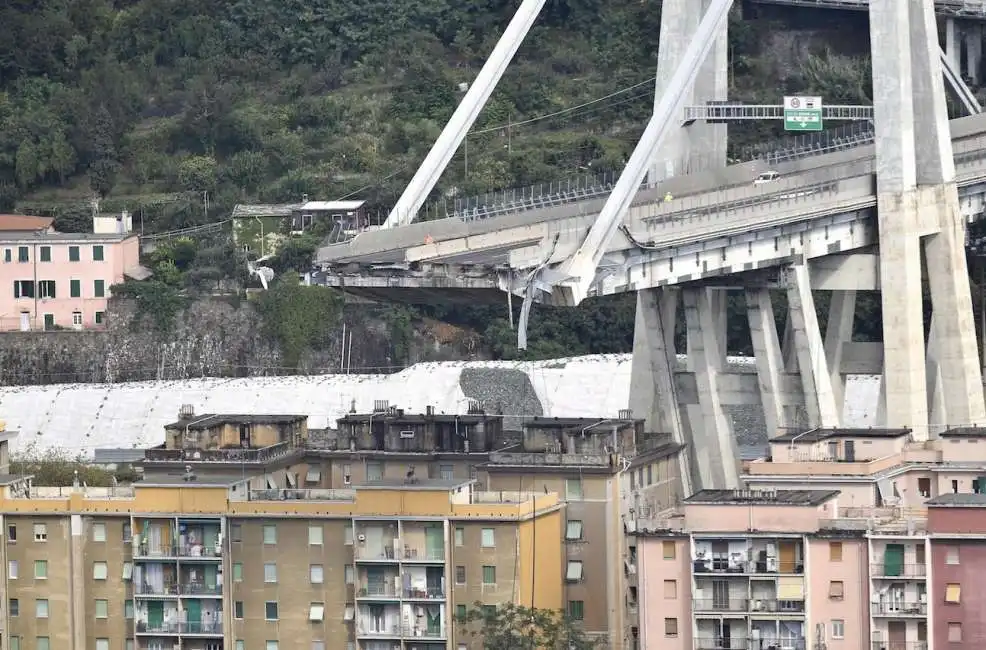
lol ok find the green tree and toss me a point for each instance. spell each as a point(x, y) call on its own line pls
point(56, 468)
point(299, 317)
point(515, 627)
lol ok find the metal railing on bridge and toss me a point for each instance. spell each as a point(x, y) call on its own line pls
point(769, 112)
point(968, 8)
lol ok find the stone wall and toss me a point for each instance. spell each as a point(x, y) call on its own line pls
point(214, 338)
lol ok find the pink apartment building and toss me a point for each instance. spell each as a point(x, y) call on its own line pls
point(50, 279)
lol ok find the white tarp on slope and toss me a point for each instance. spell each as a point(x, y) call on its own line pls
point(82, 417)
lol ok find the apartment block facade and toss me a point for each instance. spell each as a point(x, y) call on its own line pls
point(50, 279)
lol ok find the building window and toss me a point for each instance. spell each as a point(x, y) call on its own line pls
point(460, 575)
point(574, 571)
point(835, 551)
point(573, 530)
point(238, 609)
point(102, 608)
point(14, 607)
point(460, 612)
point(40, 532)
point(271, 645)
point(240, 644)
point(316, 574)
point(45, 253)
point(955, 632)
point(42, 643)
point(12, 569)
point(489, 575)
point(347, 534)
point(75, 288)
point(99, 571)
point(671, 589)
point(6, 255)
point(270, 572)
point(838, 629)
point(952, 555)
point(73, 253)
point(15, 641)
point(670, 627)
point(128, 609)
point(270, 534)
point(99, 532)
point(316, 612)
point(953, 592)
point(49, 321)
point(102, 644)
point(128, 644)
point(349, 613)
point(460, 536)
point(128, 570)
point(573, 489)
point(11, 534)
point(350, 575)
point(488, 610)
point(669, 550)
point(237, 572)
point(318, 644)
point(347, 474)
point(97, 253)
point(235, 533)
point(99, 288)
point(23, 289)
point(41, 569)
point(41, 608)
point(77, 318)
point(270, 610)
point(46, 289)
point(100, 317)
point(315, 535)
point(576, 610)
point(22, 255)
point(374, 470)
point(837, 589)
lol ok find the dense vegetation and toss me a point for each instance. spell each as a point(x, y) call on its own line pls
point(515, 627)
point(178, 110)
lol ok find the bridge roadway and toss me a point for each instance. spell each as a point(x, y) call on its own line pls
point(959, 8)
point(708, 201)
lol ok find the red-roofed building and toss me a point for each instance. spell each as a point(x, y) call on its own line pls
point(22, 223)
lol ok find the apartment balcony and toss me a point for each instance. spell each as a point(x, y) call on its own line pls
point(423, 632)
point(898, 571)
point(155, 552)
point(230, 455)
point(385, 630)
point(167, 590)
point(776, 606)
point(384, 554)
point(899, 645)
point(378, 592)
point(735, 643)
point(422, 554)
point(762, 567)
point(199, 589)
point(718, 605)
point(170, 628)
point(899, 609)
point(424, 593)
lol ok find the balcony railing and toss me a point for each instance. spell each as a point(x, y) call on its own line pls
point(429, 593)
point(899, 570)
point(200, 589)
point(899, 645)
point(774, 605)
point(424, 555)
point(899, 609)
point(314, 494)
point(144, 549)
point(720, 604)
point(231, 455)
point(200, 550)
point(385, 554)
point(396, 629)
point(146, 589)
point(724, 565)
point(739, 643)
point(169, 627)
point(377, 591)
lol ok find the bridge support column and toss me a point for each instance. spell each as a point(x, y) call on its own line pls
point(953, 49)
point(838, 330)
point(716, 458)
point(770, 361)
point(973, 37)
point(652, 385)
point(816, 379)
point(699, 145)
point(918, 209)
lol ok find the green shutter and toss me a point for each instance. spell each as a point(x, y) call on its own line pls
point(17, 289)
point(75, 288)
point(893, 560)
point(46, 253)
point(73, 253)
point(97, 253)
point(99, 288)
point(49, 321)
point(6, 255)
point(22, 255)
point(99, 318)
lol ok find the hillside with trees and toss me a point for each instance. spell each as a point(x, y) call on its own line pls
point(178, 110)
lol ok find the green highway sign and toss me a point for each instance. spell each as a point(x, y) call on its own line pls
point(802, 113)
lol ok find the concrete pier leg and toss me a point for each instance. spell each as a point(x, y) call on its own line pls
point(712, 436)
point(696, 146)
point(767, 351)
point(816, 380)
point(838, 330)
point(974, 51)
point(953, 43)
point(936, 399)
point(652, 390)
point(789, 353)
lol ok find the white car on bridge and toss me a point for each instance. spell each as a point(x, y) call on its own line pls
point(766, 177)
